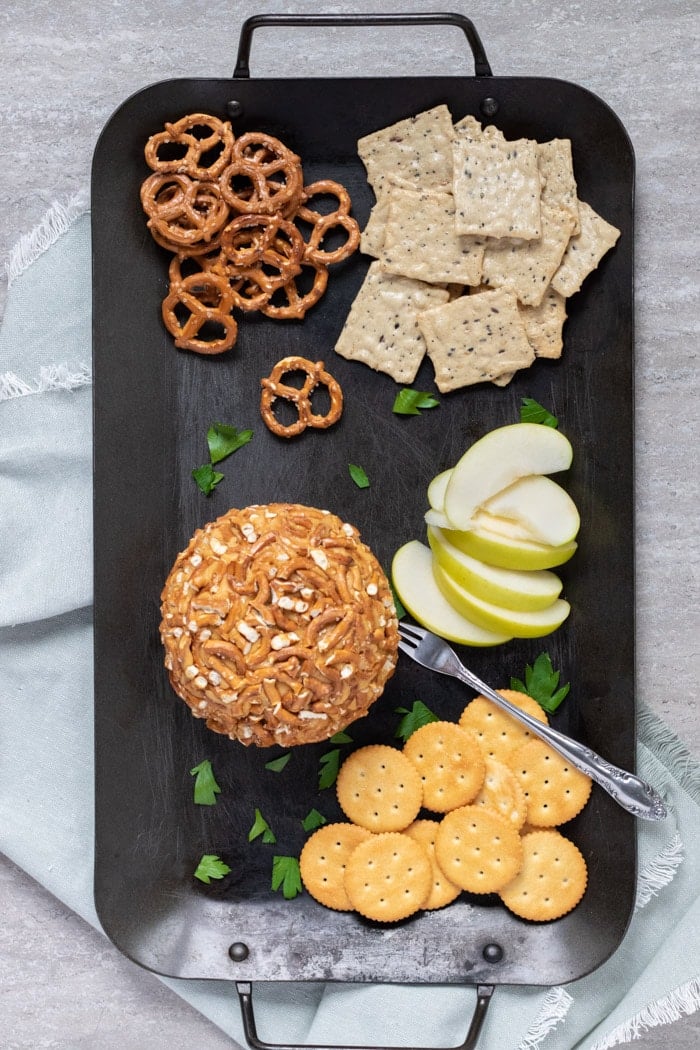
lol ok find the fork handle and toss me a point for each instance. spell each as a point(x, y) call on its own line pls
point(633, 794)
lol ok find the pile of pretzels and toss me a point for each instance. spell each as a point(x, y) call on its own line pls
point(242, 227)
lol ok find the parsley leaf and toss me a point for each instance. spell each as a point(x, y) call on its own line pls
point(313, 820)
point(205, 786)
point(341, 738)
point(211, 867)
point(410, 402)
point(418, 716)
point(207, 478)
point(541, 681)
point(278, 764)
point(261, 827)
point(330, 764)
point(358, 476)
point(223, 440)
point(285, 873)
point(532, 412)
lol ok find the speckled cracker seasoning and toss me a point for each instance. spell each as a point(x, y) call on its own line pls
point(418, 149)
point(382, 330)
point(420, 240)
point(527, 267)
point(584, 251)
point(496, 183)
point(557, 169)
point(544, 324)
point(475, 338)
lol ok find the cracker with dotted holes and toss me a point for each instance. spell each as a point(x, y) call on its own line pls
point(443, 891)
point(450, 764)
point(502, 793)
point(555, 790)
point(379, 788)
point(552, 880)
point(388, 877)
point(478, 849)
point(323, 860)
point(498, 733)
point(475, 338)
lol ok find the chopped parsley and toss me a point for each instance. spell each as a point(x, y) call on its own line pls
point(410, 402)
point(541, 681)
point(278, 764)
point(207, 478)
point(329, 766)
point(313, 820)
point(532, 412)
point(261, 827)
point(418, 716)
point(358, 476)
point(285, 874)
point(211, 867)
point(223, 440)
point(205, 786)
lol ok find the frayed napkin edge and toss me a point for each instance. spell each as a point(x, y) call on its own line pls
point(56, 221)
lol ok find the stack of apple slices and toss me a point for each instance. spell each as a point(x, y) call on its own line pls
point(496, 525)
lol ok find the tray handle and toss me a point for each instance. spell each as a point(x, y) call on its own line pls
point(245, 996)
point(242, 70)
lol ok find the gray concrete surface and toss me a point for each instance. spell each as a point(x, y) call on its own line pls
point(68, 65)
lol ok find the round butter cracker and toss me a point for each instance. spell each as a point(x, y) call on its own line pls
point(323, 860)
point(478, 849)
point(388, 877)
point(379, 789)
point(552, 879)
point(450, 764)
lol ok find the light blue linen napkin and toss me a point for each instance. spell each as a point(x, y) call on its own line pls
point(46, 661)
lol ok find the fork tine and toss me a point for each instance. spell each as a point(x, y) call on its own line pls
point(408, 647)
point(409, 632)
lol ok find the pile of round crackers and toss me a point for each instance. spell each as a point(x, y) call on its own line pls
point(478, 241)
point(495, 795)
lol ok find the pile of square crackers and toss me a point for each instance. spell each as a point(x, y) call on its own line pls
point(477, 243)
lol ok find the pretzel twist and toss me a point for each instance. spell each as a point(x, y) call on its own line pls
point(316, 375)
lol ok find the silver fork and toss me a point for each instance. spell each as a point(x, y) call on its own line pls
point(629, 791)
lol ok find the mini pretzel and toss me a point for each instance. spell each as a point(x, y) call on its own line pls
point(316, 375)
point(208, 297)
point(264, 195)
point(188, 218)
point(314, 251)
point(192, 146)
point(323, 188)
point(297, 304)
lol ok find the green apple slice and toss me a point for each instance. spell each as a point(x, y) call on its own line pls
point(436, 490)
point(540, 506)
point(412, 574)
point(492, 617)
point(498, 459)
point(509, 552)
point(527, 590)
point(511, 530)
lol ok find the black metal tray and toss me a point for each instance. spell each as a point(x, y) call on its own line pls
point(152, 407)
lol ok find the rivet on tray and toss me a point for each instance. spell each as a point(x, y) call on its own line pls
point(492, 953)
point(239, 951)
point(489, 107)
point(234, 108)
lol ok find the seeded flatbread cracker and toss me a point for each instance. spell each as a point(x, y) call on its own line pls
point(382, 330)
point(372, 237)
point(443, 891)
point(449, 762)
point(584, 251)
point(420, 239)
point(418, 149)
point(496, 185)
point(544, 324)
point(379, 789)
point(527, 267)
point(323, 859)
point(478, 850)
point(557, 169)
point(552, 879)
point(475, 338)
point(498, 733)
point(388, 877)
point(555, 790)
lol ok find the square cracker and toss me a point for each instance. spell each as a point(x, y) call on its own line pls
point(527, 267)
point(381, 329)
point(496, 183)
point(420, 240)
point(372, 237)
point(584, 251)
point(475, 338)
point(418, 149)
point(557, 170)
point(544, 324)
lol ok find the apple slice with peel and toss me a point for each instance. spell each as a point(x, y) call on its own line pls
point(492, 617)
point(482, 520)
point(436, 490)
point(538, 505)
point(413, 578)
point(498, 459)
point(513, 588)
point(509, 551)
